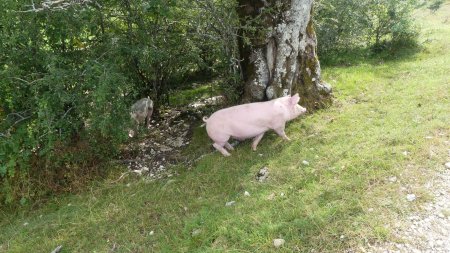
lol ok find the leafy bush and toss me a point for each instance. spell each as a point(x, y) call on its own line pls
point(69, 73)
point(379, 24)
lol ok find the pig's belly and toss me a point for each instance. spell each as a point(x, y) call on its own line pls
point(243, 132)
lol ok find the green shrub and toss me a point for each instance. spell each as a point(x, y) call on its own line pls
point(379, 24)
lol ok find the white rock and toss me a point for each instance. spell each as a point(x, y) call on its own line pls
point(196, 232)
point(411, 197)
point(405, 153)
point(230, 203)
point(278, 243)
point(305, 162)
point(393, 179)
point(447, 165)
point(151, 232)
point(247, 194)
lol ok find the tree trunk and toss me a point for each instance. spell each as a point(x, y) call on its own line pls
point(281, 57)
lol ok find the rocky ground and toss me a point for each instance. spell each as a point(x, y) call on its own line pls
point(427, 231)
point(159, 146)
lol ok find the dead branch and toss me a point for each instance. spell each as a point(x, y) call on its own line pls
point(57, 5)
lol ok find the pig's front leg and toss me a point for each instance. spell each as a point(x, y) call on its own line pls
point(221, 149)
point(281, 133)
point(256, 141)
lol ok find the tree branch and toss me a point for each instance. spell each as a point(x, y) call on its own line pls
point(57, 5)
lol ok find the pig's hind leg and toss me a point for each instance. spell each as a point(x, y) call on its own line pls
point(228, 146)
point(221, 149)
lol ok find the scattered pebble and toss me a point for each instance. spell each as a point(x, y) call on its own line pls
point(393, 179)
point(411, 197)
point(247, 194)
point(25, 224)
point(305, 162)
point(405, 153)
point(447, 165)
point(230, 203)
point(151, 232)
point(278, 243)
point(196, 232)
point(271, 196)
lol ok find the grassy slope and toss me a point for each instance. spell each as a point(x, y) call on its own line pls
point(341, 200)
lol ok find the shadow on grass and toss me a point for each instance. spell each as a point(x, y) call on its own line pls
point(355, 56)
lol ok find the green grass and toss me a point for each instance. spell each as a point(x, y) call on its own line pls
point(342, 200)
point(187, 96)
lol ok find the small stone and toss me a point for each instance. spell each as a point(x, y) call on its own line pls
point(428, 137)
point(447, 165)
point(247, 194)
point(271, 196)
point(25, 224)
point(151, 232)
point(230, 203)
point(282, 194)
point(411, 197)
point(305, 162)
point(196, 232)
point(260, 155)
point(393, 179)
point(278, 243)
point(405, 153)
point(342, 237)
point(370, 210)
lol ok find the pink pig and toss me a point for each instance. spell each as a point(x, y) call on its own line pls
point(251, 121)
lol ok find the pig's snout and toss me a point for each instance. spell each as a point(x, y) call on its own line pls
point(299, 110)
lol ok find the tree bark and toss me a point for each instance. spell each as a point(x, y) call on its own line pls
point(281, 57)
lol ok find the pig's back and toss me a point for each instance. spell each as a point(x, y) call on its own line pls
point(242, 121)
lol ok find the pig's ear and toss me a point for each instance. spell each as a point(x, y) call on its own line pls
point(294, 99)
